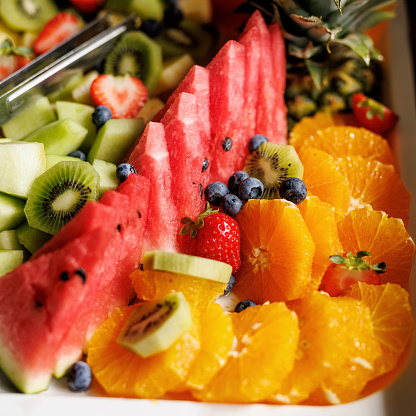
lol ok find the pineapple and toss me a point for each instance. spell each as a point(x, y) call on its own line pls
point(329, 56)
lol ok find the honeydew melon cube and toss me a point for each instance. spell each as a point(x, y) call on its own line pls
point(20, 164)
point(52, 160)
point(82, 114)
point(11, 212)
point(30, 119)
point(31, 238)
point(107, 172)
point(9, 260)
point(60, 137)
point(115, 139)
point(9, 240)
point(150, 109)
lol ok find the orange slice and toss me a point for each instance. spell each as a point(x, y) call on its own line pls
point(386, 239)
point(376, 184)
point(124, 374)
point(263, 354)
point(153, 284)
point(342, 141)
point(391, 318)
point(336, 342)
point(217, 337)
point(320, 220)
point(323, 178)
point(276, 251)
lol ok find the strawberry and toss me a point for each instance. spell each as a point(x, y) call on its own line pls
point(87, 6)
point(8, 64)
point(349, 270)
point(23, 61)
point(213, 235)
point(12, 58)
point(61, 27)
point(124, 95)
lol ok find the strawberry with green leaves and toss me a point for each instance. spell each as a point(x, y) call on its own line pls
point(349, 270)
point(12, 58)
point(213, 235)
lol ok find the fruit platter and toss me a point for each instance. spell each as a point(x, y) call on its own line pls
point(210, 212)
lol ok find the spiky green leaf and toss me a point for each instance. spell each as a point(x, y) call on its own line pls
point(360, 43)
point(318, 72)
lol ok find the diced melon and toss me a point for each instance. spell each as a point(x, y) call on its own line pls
point(52, 160)
point(20, 164)
point(11, 212)
point(107, 172)
point(150, 109)
point(31, 238)
point(9, 260)
point(9, 240)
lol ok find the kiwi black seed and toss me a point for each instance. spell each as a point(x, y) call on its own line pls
point(27, 15)
point(59, 194)
point(138, 55)
point(272, 163)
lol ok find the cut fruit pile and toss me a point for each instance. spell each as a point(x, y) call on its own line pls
point(113, 282)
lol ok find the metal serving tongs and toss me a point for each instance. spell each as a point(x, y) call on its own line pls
point(47, 73)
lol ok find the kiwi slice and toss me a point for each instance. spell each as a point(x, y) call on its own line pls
point(138, 55)
point(154, 326)
point(27, 15)
point(186, 264)
point(272, 163)
point(188, 37)
point(59, 194)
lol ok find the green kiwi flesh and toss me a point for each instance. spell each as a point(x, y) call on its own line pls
point(138, 55)
point(27, 15)
point(59, 194)
point(272, 163)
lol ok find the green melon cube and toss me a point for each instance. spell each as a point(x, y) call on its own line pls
point(30, 119)
point(115, 139)
point(11, 212)
point(60, 137)
point(31, 238)
point(52, 160)
point(20, 164)
point(9, 240)
point(107, 172)
point(82, 114)
point(9, 260)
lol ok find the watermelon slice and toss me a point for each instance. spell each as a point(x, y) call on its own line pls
point(184, 143)
point(151, 160)
point(227, 81)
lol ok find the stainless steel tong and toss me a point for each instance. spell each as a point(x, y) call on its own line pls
point(48, 72)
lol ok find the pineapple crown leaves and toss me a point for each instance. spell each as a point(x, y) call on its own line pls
point(357, 263)
point(7, 48)
point(191, 226)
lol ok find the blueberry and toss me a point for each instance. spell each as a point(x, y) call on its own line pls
point(79, 376)
point(230, 285)
point(293, 189)
point(235, 179)
point(123, 171)
point(172, 15)
point(151, 27)
point(256, 141)
point(79, 155)
point(215, 191)
point(101, 115)
point(244, 304)
point(250, 188)
point(231, 204)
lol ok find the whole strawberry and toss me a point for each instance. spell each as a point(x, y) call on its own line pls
point(213, 235)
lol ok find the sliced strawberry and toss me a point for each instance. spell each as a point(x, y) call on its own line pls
point(87, 6)
point(349, 270)
point(58, 29)
point(22, 61)
point(124, 95)
point(8, 64)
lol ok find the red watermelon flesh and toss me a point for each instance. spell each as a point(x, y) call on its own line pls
point(184, 143)
point(227, 82)
point(151, 160)
point(38, 307)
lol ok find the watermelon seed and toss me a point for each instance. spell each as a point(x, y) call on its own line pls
point(38, 303)
point(227, 144)
point(141, 267)
point(205, 165)
point(65, 276)
point(119, 227)
point(201, 190)
point(140, 214)
point(81, 272)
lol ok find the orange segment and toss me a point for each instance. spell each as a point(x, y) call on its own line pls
point(263, 353)
point(386, 239)
point(323, 178)
point(217, 337)
point(342, 141)
point(391, 318)
point(320, 220)
point(153, 284)
point(124, 374)
point(276, 251)
point(376, 184)
point(336, 341)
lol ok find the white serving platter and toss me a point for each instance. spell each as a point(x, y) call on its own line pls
point(399, 399)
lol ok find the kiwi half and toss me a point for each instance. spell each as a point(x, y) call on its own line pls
point(272, 163)
point(138, 55)
point(59, 194)
point(27, 15)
